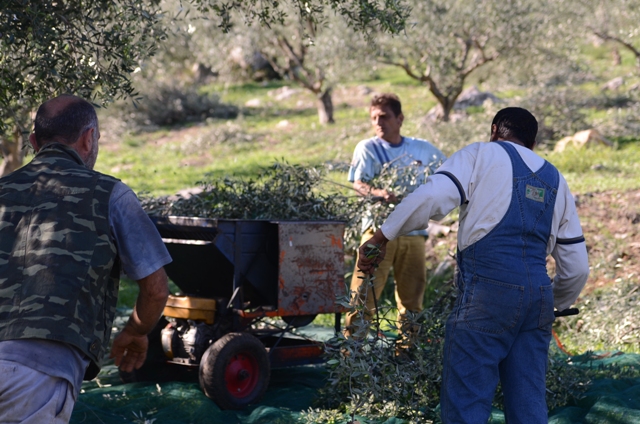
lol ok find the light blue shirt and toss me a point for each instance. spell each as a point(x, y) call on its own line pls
point(370, 155)
point(139, 245)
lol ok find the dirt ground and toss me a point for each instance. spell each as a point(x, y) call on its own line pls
point(610, 224)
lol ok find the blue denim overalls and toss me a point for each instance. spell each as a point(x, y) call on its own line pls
point(500, 327)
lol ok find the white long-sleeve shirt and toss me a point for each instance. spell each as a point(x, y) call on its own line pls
point(484, 173)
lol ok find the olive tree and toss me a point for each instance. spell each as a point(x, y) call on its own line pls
point(78, 46)
point(315, 57)
point(90, 48)
point(615, 21)
point(313, 52)
point(446, 41)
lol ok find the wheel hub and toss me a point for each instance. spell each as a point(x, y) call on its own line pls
point(241, 375)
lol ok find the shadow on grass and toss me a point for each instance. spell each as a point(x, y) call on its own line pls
point(624, 141)
point(278, 112)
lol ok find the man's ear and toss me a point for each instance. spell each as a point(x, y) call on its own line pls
point(84, 143)
point(401, 118)
point(494, 132)
point(34, 143)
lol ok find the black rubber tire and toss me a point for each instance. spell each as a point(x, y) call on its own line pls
point(235, 371)
point(297, 321)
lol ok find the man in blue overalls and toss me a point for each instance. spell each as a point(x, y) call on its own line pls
point(515, 209)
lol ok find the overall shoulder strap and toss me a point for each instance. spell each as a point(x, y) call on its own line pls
point(520, 168)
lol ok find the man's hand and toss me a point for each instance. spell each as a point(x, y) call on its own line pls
point(365, 189)
point(130, 349)
point(130, 346)
point(372, 252)
point(389, 197)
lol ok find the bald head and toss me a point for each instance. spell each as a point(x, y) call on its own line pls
point(68, 120)
point(64, 119)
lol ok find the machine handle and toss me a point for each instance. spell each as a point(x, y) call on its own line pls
point(566, 312)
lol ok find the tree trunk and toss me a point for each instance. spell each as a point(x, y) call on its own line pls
point(446, 106)
point(325, 107)
point(446, 111)
point(12, 152)
point(445, 101)
point(617, 59)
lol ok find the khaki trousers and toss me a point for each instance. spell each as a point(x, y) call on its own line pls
point(406, 254)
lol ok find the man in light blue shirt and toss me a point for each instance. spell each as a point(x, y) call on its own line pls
point(412, 157)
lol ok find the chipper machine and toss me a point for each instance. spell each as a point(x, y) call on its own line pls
point(233, 276)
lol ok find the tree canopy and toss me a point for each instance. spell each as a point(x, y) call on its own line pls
point(91, 48)
point(76, 46)
point(446, 41)
point(364, 16)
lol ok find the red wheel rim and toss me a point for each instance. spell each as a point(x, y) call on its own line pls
point(241, 375)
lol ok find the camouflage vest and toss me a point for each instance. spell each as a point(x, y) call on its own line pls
point(59, 269)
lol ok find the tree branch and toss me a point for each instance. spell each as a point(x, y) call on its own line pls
point(466, 48)
point(274, 64)
point(425, 77)
point(290, 53)
point(629, 46)
point(478, 62)
point(404, 66)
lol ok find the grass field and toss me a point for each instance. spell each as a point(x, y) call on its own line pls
point(166, 160)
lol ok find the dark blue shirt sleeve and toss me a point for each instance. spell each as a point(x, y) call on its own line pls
point(139, 244)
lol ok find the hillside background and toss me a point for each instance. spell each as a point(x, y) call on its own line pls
point(208, 109)
point(209, 104)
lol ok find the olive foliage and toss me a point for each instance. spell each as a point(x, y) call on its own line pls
point(382, 375)
point(363, 16)
point(91, 48)
point(615, 21)
point(83, 47)
point(447, 41)
point(303, 193)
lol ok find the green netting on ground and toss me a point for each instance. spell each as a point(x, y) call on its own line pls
point(292, 391)
point(605, 359)
point(606, 402)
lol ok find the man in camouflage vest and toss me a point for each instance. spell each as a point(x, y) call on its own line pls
point(66, 232)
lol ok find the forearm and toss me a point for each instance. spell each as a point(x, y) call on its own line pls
point(150, 303)
point(365, 189)
point(572, 271)
point(436, 198)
